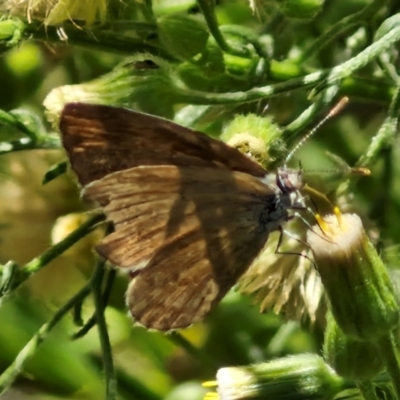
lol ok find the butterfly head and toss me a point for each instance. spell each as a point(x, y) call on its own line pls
point(290, 182)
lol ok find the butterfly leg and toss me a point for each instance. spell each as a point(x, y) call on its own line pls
point(310, 227)
point(280, 241)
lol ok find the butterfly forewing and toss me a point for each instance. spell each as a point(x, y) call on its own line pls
point(100, 140)
point(191, 232)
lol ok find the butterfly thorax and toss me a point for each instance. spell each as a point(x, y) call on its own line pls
point(286, 184)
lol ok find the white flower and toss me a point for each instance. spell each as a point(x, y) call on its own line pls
point(286, 284)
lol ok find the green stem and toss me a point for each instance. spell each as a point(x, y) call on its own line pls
point(376, 92)
point(28, 144)
point(207, 7)
point(340, 28)
point(91, 322)
point(49, 255)
point(8, 273)
point(77, 314)
point(27, 124)
point(8, 119)
point(367, 390)
point(255, 94)
point(325, 77)
point(389, 68)
point(246, 36)
point(309, 114)
point(12, 372)
point(386, 134)
point(123, 25)
point(96, 39)
point(381, 141)
point(100, 305)
point(388, 352)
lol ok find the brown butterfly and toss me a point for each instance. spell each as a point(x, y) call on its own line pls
point(190, 213)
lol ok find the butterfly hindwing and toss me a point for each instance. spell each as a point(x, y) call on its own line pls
point(185, 234)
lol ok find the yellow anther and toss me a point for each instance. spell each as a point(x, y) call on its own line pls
point(338, 215)
point(211, 396)
point(210, 384)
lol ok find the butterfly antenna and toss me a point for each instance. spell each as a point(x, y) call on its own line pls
point(357, 171)
point(334, 111)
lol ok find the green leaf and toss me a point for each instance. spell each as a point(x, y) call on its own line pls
point(184, 37)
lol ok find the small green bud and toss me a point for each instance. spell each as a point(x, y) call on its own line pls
point(355, 279)
point(257, 137)
point(350, 358)
point(299, 377)
point(144, 81)
point(67, 224)
point(11, 32)
point(183, 37)
point(300, 9)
